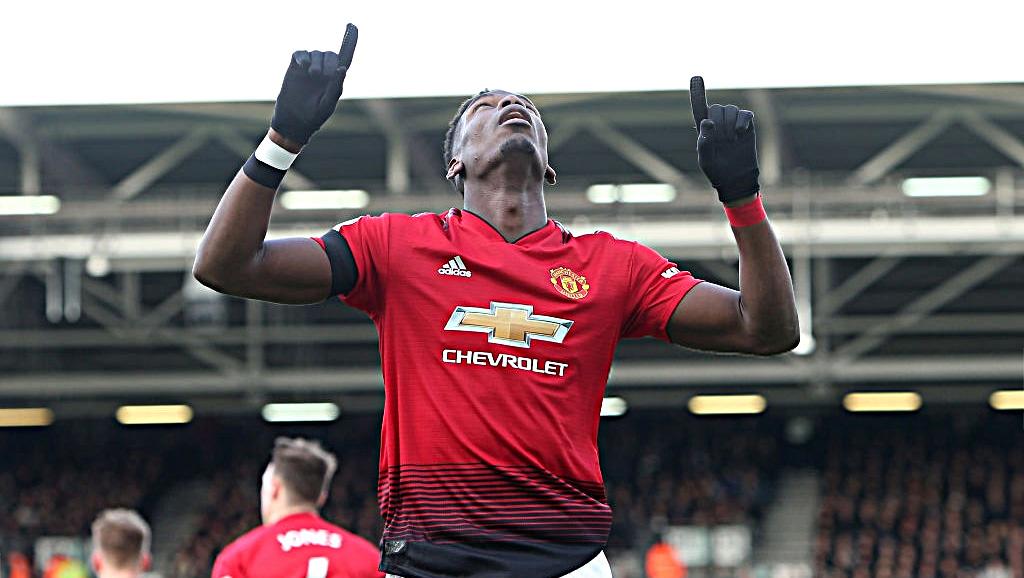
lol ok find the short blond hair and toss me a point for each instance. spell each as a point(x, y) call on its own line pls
point(121, 536)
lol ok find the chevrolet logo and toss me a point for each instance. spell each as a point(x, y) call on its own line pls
point(509, 324)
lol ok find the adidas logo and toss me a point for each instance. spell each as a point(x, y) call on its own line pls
point(455, 267)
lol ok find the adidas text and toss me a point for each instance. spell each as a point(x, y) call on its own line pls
point(455, 267)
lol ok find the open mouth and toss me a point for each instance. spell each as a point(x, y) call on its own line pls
point(514, 114)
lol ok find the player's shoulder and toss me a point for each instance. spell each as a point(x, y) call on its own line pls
point(397, 220)
point(243, 543)
point(598, 238)
point(349, 539)
point(424, 223)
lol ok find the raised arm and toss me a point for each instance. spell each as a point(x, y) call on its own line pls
point(761, 317)
point(233, 256)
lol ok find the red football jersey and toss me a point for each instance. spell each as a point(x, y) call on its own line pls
point(495, 357)
point(298, 546)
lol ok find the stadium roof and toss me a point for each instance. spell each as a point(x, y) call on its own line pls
point(897, 291)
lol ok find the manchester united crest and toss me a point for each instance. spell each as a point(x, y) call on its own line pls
point(569, 283)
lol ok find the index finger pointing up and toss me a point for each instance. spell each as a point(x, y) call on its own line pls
point(698, 100)
point(348, 46)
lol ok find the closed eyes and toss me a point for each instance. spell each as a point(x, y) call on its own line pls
point(486, 101)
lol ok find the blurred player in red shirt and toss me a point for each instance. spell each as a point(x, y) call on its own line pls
point(294, 541)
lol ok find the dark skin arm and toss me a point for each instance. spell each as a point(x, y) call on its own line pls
point(761, 317)
point(758, 319)
point(234, 258)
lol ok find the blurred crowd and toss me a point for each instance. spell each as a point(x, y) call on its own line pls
point(661, 471)
point(658, 472)
point(929, 501)
point(54, 485)
point(901, 497)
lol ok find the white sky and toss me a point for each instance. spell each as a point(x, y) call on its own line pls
point(112, 51)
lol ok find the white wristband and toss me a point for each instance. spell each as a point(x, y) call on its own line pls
point(274, 154)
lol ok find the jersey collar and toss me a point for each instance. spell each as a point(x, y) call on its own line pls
point(479, 225)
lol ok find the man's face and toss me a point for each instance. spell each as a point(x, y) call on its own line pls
point(501, 123)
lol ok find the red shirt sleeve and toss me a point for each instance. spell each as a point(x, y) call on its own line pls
point(368, 239)
point(656, 286)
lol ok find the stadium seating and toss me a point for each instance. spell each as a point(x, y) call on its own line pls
point(915, 496)
point(923, 498)
point(53, 483)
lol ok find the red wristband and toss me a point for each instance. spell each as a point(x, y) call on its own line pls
point(751, 213)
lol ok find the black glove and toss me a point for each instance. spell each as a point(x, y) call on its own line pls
point(311, 88)
point(726, 147)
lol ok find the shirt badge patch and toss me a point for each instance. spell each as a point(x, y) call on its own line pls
point(569, 283)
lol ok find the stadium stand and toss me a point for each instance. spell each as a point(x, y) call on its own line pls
point(932, 495)
point(659, 473)
point(925, 498)
point(55, 482)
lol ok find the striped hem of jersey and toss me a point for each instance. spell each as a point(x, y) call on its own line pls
point(453, 503)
